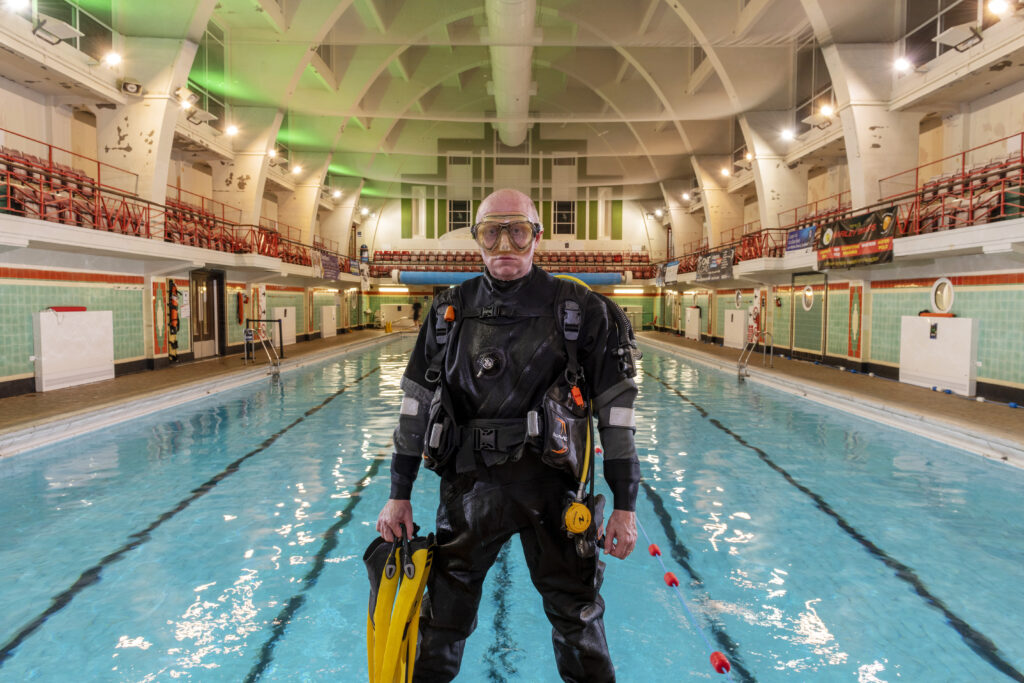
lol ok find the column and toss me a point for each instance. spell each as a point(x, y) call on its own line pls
point(240, 183)
point(723, 210)
point(779, 187)
point(299, 209)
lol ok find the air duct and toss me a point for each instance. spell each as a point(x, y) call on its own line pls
point(511, 27)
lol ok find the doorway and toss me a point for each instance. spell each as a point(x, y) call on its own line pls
point(206, 293)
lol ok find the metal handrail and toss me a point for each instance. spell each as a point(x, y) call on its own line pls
point(767, 353)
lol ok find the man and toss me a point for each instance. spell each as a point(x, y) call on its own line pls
point(489, 353)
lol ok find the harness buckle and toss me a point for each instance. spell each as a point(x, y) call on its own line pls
point(485, 439)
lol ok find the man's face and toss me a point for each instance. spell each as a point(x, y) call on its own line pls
point(505, 261)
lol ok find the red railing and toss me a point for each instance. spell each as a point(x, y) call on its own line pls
point(225, 212)
point(977, 161)
point(58, 162)
point(736, 234)
point(816, 211)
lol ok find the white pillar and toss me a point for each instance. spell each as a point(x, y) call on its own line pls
point(779, 187)
point(723, 210)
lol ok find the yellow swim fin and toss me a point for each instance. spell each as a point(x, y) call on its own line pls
point(398, 574)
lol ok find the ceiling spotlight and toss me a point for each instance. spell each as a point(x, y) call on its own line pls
point(788, 134)
point(336, 194)
point(296, 169)
point(999, 7)
point(231, 130)
point(686, 196)
point(364, 211)
point(272, 153)
point(827, 110)
point(111, 59)
point(903, 65)
point(186, 105)
point(17, 5)
point(750, 157)
point(659, 213)
point(725, 173)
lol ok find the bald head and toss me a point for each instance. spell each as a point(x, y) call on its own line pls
point(507, 201)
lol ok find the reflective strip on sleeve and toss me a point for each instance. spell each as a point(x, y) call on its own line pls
point(410, 406)
point(621, 417)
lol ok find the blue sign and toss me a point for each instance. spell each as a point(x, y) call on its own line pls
point(800, 239)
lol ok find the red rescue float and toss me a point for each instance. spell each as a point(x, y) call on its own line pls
point(719, 663)
point(670, 579)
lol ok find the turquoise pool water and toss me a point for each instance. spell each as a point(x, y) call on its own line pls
point(222, 541)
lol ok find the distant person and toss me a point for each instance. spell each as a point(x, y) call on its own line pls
point(416, 307)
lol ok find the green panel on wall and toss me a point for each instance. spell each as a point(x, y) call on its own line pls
point(781, 320)
point(488, 169)
point(545, 218)
point(617, 219)
point(592, 220)
point(534, 170)
point(581, 220)
point(430, 218)
point(477, 168)
point(442, 217)
point(837, 341)
point(406, 218)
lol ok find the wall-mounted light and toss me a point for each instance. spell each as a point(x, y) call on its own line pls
point(296, 169)
point(336, 194)
point(186, 97)
point(788, 134)
point(725, 173)
point(1000, 8)
point(231, 130)
point(394, 290)
point(686, 196)
point(659, 213)
point(112, 59)
point(827, 110)
point(364, 211)
point(627, 290)
point(52, 30)
point(750, 157)
point(903, 65)
point(17, 5)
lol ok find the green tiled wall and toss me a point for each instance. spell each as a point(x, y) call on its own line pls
point(999, 312)
point(807, 324)
point(646, 302)
point(887, 307)
point(837, 339)
point(234, 328)
point(781, 319)
point(20, 302)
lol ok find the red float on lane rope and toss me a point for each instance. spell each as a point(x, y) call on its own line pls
point(719, 663)
point(654, 550)
point(670, 579)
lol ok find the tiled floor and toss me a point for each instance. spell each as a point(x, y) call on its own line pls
point(993, 419)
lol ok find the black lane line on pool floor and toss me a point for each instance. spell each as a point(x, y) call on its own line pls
point(295, 603)
point(980, 643)
point(682, 556)
point(499, 654)
point(93, 574)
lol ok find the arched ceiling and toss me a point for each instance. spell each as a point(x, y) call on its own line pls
point(407, 80)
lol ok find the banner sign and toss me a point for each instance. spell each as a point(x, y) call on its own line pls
point(716, 265)
point(858, 241)
point(330, 265)
point(671, 272)
point(800, 239)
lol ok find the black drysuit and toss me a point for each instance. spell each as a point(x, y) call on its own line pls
point(500, 357)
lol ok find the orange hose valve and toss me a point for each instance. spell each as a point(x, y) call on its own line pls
point(670, 579)
point(449, 314)
point(719, 663)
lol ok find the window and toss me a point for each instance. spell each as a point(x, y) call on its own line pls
point(95, 24)
point(564, 220)
point(697, 56)
point(813, 83)
point(925, 19)
point(459, 214)
point(208, 77)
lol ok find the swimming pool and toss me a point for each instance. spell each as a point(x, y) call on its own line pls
point(222, 541)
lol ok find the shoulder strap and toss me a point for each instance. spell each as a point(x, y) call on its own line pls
point(569, 315)
point(446, 310)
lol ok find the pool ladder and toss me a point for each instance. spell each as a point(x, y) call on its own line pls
point(767, 353)
point(272, 357)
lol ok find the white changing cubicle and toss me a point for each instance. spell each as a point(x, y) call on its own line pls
point(72, 347)
point(939, 352)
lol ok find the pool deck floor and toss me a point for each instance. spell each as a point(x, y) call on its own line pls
point(984, 419)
